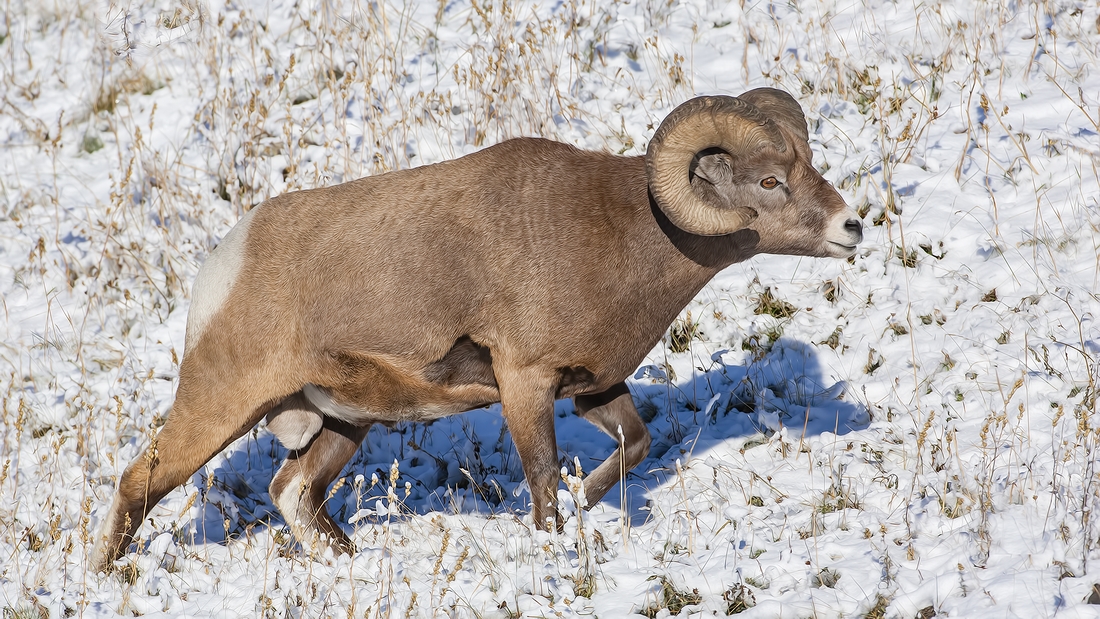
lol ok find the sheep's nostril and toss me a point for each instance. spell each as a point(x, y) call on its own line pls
point(855, 228)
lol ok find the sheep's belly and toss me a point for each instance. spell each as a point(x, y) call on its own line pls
point(459, 399)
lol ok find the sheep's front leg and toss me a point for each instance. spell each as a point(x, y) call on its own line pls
point(527, 398)
point(613, 412)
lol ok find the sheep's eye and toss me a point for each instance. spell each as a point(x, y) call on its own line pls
point(769, 183)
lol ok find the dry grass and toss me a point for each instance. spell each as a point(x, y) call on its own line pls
point(114, 191)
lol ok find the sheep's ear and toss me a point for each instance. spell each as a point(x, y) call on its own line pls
point(714, 169)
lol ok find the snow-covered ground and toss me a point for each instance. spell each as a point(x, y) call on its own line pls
point(910, 433)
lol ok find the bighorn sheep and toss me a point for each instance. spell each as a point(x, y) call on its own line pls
point(520, 274)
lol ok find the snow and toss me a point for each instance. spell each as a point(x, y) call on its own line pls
point(907, 432)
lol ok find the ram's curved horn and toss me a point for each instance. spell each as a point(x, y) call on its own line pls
point(728, 123)
point(781, 107)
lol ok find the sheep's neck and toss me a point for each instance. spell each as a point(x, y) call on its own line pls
point(702, 256)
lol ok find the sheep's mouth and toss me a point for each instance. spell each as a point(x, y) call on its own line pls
point(842, 249)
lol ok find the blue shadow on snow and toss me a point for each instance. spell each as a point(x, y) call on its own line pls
point(468, 464)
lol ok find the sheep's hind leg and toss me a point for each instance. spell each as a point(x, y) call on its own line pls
point(206, 417)
point(299, 488)
point(609, 411)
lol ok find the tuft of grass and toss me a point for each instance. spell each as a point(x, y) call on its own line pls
point(833, 341)
point(767, 303)
point(865, 87)
point(110, 93)
point(878, 611)
point(928, 249)
point(127, 573)
point(898, 328)
point(908, 258)
point(739, 598)
point(27, 611)
point(35, 542)
point(837, 498)
point(874, 362)
point(935, 317)
point(758, 582)
point(682, 332)
point(670, 598)
point(825, 577)
point(91, 143)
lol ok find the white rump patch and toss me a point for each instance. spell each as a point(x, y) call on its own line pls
point(216, 279)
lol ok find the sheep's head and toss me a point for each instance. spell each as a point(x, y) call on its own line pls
point(718, 165)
